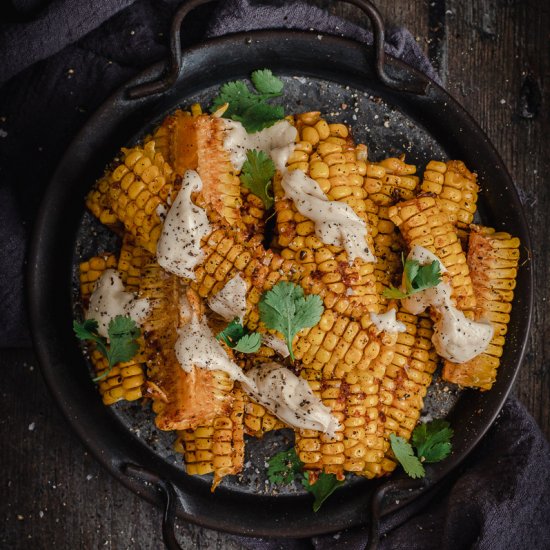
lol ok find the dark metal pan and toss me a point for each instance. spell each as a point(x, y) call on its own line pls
point(393, 108)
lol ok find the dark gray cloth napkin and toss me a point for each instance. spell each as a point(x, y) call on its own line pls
point(60, 59)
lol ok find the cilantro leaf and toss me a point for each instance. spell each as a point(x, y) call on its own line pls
point(325, 485)
point(251, 108)
point(122, 345)
point(416, 278)
point(256, 175)
point(232, 333)
point(404, 453)
point(286, 309)
point(239, 339)
point(249, 343)
point(284, 466)
point(433, 440)
point(266, 82)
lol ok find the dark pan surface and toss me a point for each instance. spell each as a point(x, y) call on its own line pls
point(328, 74)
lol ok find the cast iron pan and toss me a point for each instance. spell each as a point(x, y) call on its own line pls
point(393, 109)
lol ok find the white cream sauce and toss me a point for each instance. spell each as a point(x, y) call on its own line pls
point(230, 301)
point(278, 141)
point(458, 338)
point(335, 222)
point(290, 398)
point(178, 248)
point(109, 299)
point(455, 337)
point(387, 322)
point(197, 347)
point(276, 344)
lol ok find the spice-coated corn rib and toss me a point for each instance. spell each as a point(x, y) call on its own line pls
point(181, 400)
point(493, 259)
point(423, 223)
point(326, 153)
point(90, 271)
point(131, 262)
point(125, 380)
point(216, 447)
point(456, 189)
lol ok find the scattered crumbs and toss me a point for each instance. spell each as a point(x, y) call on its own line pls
point(397, 501)
point(41, 514)
point(32, 425)
point(502, 101)
point(20, 517)
point(386, 123)
point(132, 33)
point(89, 477)
point(344, 106)
point(336, 537)
point(319, 37)
point(3, 133)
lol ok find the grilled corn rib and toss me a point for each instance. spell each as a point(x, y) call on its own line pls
point(125, 380)
point(326, 153)
point(493, 259)
point(423, 223)
point(456, 190)
point(216, 447)
point(182, 400)
point(132, 259)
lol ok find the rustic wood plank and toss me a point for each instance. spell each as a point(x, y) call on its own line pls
point(499, 68)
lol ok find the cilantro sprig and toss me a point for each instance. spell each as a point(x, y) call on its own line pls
point(416, 278)
point(286, 309)
point(251, 108)
point(256, 175)
point(285, 467)
point(239, 339)
point(432, 441)
point(121, 345)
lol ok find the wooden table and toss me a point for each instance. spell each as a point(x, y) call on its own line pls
point(494, 57)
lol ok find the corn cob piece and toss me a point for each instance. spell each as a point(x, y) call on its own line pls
point(124, 381)
point(252, 212)
point(344, 363)
point(456, 189)
point(90, 271)
point(422, 223)
point(258, 421)
point(326, 153)
point(132, 260)
point(137, 189)
point(493, 259)
point(196, 143)
point(217, 447)
point(181, 400)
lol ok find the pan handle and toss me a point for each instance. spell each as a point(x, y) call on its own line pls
point(383, 495)
point(170, 501)
point(168, 79)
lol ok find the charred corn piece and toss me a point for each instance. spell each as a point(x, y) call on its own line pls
point(132, 259)
point(252, 212)
point(423, 223)
point(139, 187)
point(91, 270)
point(326, 153)
point(181, 400)
point(493, 259)
point(344, 363)
point(196, 143)
point(217, 447)
point(389, 181)
point(456, 189)
point(406, 380)
point(99, 204)
point(124, 381)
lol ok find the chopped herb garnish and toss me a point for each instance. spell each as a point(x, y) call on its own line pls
point(251, 109)
point(121, 345)
point(325, 485)
point(256, 175)
point(286, 309)
point(239, 339)
point(404, 453)
point(416, 278)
